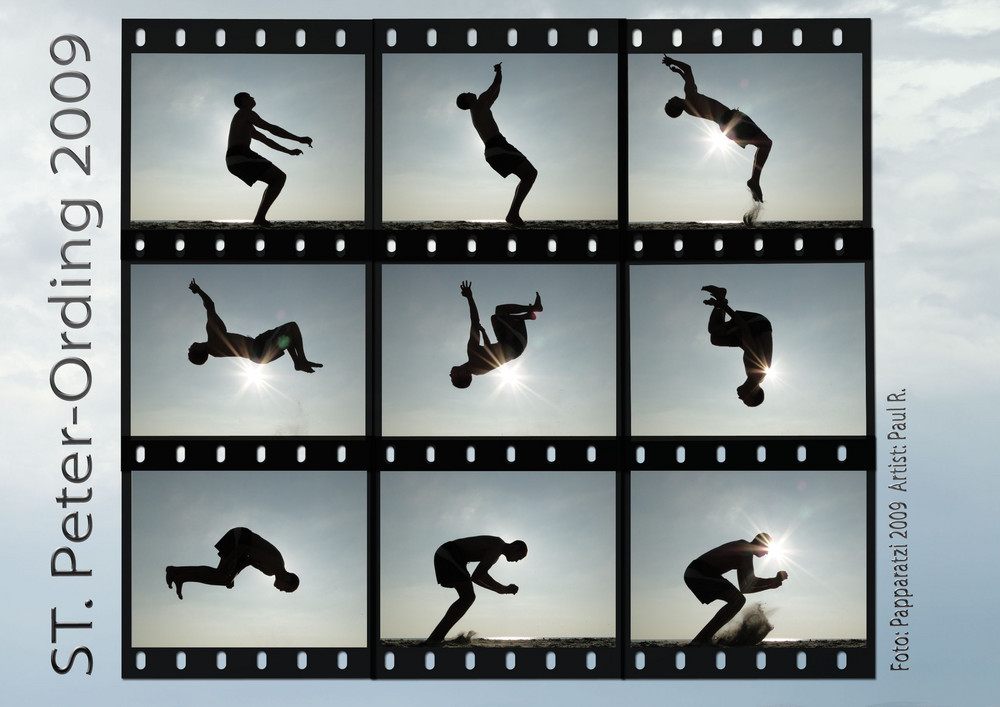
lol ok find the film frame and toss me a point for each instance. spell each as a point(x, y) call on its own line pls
point(620, 247)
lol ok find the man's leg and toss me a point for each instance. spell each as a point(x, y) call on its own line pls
point(527, 174)
point(202, 574)
point(520, 311)
point(466, 595)
point(275, 180)
point(717, 329)
point(734, 602)
point(290, 338)
point(759, 158)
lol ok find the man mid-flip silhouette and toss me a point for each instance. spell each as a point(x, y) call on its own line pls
point(263, 348)
point(511, 333)
point(735, 124)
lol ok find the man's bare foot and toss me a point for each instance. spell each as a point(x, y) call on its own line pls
point(514, 220)
point(172, 578)
point(755, 190)
point(718, 304)
point(716, 292)
point(537, 306)
point(308, 366)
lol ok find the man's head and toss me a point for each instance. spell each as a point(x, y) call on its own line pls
point(674, 107)
point(465, 100)
point(198, 353)
point(460, 378)
point(286, 581)
point(516, 551)
point(244, 100)
point(752, 395)
point(763, 542)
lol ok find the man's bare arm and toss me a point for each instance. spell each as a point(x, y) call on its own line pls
point(257, 135)
point(481, 575)
point(214, 320)
point(278, 130)
point(476, 326)
point(679, 67)
point(749, 583)
point(490, 95)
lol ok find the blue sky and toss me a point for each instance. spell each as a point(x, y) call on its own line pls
point(559, 110)
point(232, 396)
point(810, 107)
point(566, 583)
point(182, 105)
point(683, 385)
point(317, 520)
point(563, 383)
point(934, 186)
point(817, 518)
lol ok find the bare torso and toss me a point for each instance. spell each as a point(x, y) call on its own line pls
point(736, 555)
point(701, 106)
point(241, 128)
point(483, 121)
point(478, 547)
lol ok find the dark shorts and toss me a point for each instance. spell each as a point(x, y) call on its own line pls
point(268, 346)
point(740, 129)
point(229, 542)
point(503, 157)
point(449, 570)
point(246, 164)
point(705, 585)
point(757, 323)
point(511, 333)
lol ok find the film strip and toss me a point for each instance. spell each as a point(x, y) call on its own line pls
point(598, 264)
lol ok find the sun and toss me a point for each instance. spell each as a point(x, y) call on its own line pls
point(253, 376)
point(507, 376)
point(715, 139)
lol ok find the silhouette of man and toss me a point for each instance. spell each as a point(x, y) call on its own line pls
point(238, 549)
point(503, 157)
point(704, 577)
point(736, 125)
point(263, 348)
point(247, 164)
point(450, 562)
point(747, 330)
point(510, 331)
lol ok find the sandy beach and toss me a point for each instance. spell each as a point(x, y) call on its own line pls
point(499, 226)
point(504, 643)
point(738, 225)
point(244, 226)
point(794, 643)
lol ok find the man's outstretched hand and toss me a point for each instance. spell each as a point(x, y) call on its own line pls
point(193, 286)
point(497, 67)
point(466, 288)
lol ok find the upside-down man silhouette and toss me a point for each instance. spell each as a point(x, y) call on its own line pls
point(748, 331)
point(510, 331)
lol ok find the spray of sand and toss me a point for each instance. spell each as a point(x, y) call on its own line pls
point(748, 628)
point(750, 217)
